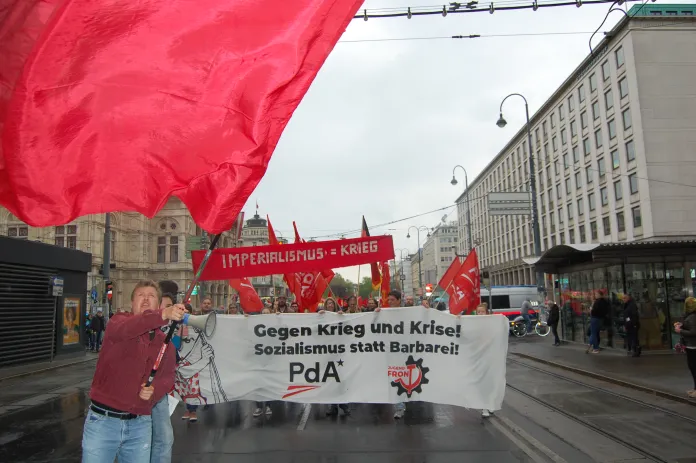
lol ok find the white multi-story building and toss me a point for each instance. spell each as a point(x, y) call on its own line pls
point(403, 267)
point(439, 251)
point(614, 150)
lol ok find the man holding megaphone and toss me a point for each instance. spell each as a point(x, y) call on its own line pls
point(119, 422)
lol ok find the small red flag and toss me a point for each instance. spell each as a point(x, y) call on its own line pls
point(248, 297)
point(385, 281)
point(374, 268)
point(116, 106)
point(465, 288)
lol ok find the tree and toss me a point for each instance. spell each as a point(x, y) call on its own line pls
point(340, 287)
point(365, 289)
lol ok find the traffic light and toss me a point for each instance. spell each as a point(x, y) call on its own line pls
point(428, 289)
point(109, 289)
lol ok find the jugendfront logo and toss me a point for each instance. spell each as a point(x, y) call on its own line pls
point(408, 378)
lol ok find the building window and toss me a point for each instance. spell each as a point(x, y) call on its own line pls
point(560, 216)
point(609, 99)
point(615, 161)
point(593, 82)
point(588, 175)
point(578, 180)
point(620, 224)
point(630, 151)
point(66, 236)
point(553, 121)
point(618, 190)
point(561, 114)
point(581, 207)
point(598, 138)
point(564, 139)
point(583, 120)
point(556, 168)
point(606, 223)
point(554, 143)
point(591, 201)
point(600, 168)
point(573, 128)
point(619, 57)
point(604, 196)
point(637, 219)
point(606, 72)
point(623, 88)
point(570, 212)
point(586, 148)
point(593, 231)
point(571, 104)
point(558, 191)
point(576, 154)
point(161, 249)
point(571, 232)
point(628, 123)
point(565, 160)
point(611, 125)
point(581, 230)
point(633, 183)
point(595, 110)
point(173, 249)
point(581, 93)
point(567, 184)
point(19, 231)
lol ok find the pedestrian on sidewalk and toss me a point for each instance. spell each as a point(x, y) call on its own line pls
point(482, 309)
point(554, 318)
point(598, 313)
point(98, 326)
point(687, 329)
point(632, 325)
point(119, 422)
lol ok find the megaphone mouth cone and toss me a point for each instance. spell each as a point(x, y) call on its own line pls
point(204, 323)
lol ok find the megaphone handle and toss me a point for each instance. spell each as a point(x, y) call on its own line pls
point(160, 356)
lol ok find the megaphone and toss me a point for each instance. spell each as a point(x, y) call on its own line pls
point(204, 323)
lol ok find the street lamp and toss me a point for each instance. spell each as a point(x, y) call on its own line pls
point(468, 204)
point(532, 184)
point(420, 256)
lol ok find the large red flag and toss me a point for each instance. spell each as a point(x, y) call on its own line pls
point(465, 289)
point(108, 106)
point(310, 286)
point(248, 297)
point(374, 269)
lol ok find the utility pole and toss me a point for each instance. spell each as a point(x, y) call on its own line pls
point(204, 245)
point(106, 264)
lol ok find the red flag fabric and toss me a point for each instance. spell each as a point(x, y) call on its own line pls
point(385, 280)
point(451, 273)
point(465, 288)
point(374, 269)
point(248, 297)
point(310, 286)
point(117, 106)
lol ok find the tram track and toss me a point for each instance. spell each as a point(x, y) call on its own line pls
point(584, 422)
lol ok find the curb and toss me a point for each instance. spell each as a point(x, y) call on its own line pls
point(53, 367)
point(607, 379)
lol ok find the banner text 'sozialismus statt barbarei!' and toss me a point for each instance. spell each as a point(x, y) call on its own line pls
point(244, 262)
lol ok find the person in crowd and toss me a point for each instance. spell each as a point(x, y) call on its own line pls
point(282, 304)
point(119, 422)
point(206, 305)
point(371, 305)
point(598, 313)
point(264, 407)
point(295, 308)
point(481, 309)
point(98, 326)
point(353, 305)
point(525, 311)
point(687, 329)
point(409, 301)
point(330, 305)
point(554, 318)
point(632, 325)
point(426, 303)
point(394, 301)
point(162, 431)
point(191, 413)
point(89, 339)
point(232, 309)
point(441, 306)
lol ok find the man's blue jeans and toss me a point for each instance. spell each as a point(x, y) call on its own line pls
point(162, 432)
point(595, 327)
point(105, 438)
point(527, 321)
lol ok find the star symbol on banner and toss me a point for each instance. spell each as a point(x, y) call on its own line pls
point(340, 362)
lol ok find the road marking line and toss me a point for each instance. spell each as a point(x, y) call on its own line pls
point(531, 440)
point(306, 409)
point(518, 442)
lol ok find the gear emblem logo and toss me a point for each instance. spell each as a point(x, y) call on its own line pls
point(409, 378)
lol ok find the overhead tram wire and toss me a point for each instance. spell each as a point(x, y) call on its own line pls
point(469, 36)
point(473, 7)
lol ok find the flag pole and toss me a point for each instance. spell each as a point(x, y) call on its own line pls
point(174, 325)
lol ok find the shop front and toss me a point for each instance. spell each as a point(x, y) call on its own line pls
point(659, 276)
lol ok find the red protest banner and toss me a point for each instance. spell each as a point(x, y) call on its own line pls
point(228, 263)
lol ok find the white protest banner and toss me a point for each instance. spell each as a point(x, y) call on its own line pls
point(396, 355)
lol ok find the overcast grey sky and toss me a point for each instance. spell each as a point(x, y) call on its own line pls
point(384, 123)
